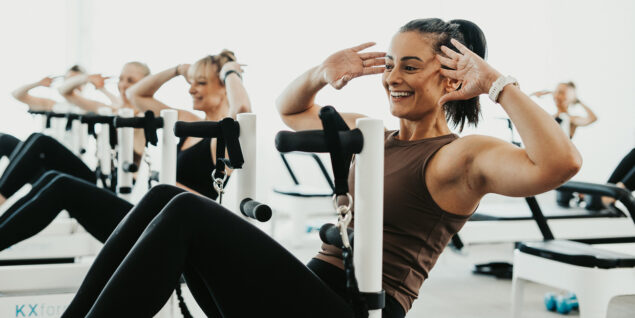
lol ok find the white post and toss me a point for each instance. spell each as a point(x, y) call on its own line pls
point(43, 123)
point(58, 125)
point(103, 143)
point(167, 175)
point(125, 138)
point(369, 204)
point(76, 137)
point(246, 177)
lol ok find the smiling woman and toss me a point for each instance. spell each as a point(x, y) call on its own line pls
point(424, 39)
point(434, 73)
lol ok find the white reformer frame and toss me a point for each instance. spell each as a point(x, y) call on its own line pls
point(245, 179)
point(246, 176)
point(169, 142)
point(103, 143)
point(369, 204)
point(54, 285)
point(125, 157)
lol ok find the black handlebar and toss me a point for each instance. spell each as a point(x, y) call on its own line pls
point(199, 129)
point(130, 167)
point(351, 141)
point(255, 210)
point(330, 234)
point(97, 119)
point(137, 122)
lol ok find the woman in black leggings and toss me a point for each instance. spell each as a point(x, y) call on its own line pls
point(8, 144)
point(624, 174)
point(235, 270)
point(41, 153)
point(99, 210)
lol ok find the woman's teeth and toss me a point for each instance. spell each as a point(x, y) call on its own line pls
point(400, 94)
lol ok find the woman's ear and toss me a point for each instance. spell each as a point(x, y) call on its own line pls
point(451, 85)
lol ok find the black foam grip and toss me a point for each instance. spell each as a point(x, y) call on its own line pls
point(128, 122)
point(38, 112)
point(130, 167)
point(255, 210)
point(56, 115)
point(314, 141)
point(330, 234)
point(200, 129)
point(97, 119)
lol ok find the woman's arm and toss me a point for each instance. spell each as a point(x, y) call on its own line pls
point(67, 89)
point(296, 104)
point(541, 93)
point(549, 158)
point(141, 94)
point(584, 121)
point(39, 103)
point(235, 90)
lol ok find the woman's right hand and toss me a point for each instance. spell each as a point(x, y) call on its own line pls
point(97, 80)
point(341, 67)
point(46, 82)
point(182, 69)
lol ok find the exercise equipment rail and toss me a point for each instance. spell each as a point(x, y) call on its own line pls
point(367, 143)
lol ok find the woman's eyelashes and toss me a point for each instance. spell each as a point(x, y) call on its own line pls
point(407, 68)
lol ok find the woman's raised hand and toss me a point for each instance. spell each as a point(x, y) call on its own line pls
point(46, 82)
point(475, 75)
point(97, 80)
point(230, 66)
point(341, 67)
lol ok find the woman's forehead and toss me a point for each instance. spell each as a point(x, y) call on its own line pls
point(410, 44)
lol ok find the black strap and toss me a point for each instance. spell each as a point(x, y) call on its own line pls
point(220, 157)
point(230, 130)
point(112, 136)
point(48, 120)
point(340, 161)
point(150, 126)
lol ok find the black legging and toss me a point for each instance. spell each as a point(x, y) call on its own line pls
point(625, 171)
point(231, 267)
point(97, 210)
point(38, 154)
point(8, 143)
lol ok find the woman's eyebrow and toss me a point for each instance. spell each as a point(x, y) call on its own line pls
point(405, 58)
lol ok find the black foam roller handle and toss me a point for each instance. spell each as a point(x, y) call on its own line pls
point(130, 167)
point(330, 234)
point(201, 129)
point(314, 141)
point(255, 210)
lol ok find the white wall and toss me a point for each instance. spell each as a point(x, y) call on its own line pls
point(538, 42)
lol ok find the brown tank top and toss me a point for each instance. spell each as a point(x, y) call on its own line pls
point(416, 229)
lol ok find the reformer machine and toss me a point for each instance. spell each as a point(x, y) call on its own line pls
point(595, 273)
point(363, 265)
point(45, 287)
point(238, 139)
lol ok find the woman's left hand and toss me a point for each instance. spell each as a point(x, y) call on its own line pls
point(475, 75)
point(230, 66)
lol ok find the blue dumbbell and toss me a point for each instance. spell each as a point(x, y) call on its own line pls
point(310, 228)
point(550, 301)
point(564, 304)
